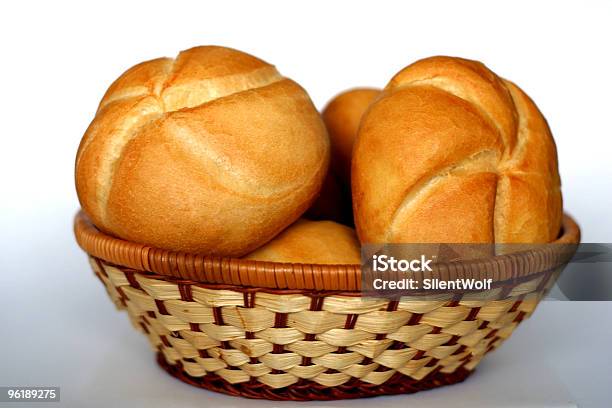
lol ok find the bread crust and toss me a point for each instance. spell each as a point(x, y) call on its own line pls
point(318, 242)
point(213, 152)
point(342, 116)
point(452, 153)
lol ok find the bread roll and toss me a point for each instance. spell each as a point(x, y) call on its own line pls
point(318, 242)
point(212, 152)
point(342, 116)
point(452, 153)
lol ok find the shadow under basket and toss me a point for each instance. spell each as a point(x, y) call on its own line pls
point(303, 332)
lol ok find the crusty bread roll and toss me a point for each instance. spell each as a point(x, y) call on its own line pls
point(452, 153)
point(317, 242)
point(342, 116)
point(212, 152)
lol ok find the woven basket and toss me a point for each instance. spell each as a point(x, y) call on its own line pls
point(302, 332)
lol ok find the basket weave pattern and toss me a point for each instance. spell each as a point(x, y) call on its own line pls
point(279, 338)
point(303, 331)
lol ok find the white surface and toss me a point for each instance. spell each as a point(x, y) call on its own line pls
point(56, 325)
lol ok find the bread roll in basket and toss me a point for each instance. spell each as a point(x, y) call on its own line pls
point(450, 152)
point(213, 151)
point(240, 307)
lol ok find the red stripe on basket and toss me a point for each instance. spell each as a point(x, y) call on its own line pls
point(516, 304)
point(473, 313)
point(414, 319)
point(316, 304)
point(185, 292)
point(460, 350)
point(249, 302)
point(161, 307)
point(491, 334)
point(164, 340)
point(519, 317)
point(432, 362)
point(129, 275)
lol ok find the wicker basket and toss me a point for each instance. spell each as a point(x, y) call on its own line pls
point(302, 332)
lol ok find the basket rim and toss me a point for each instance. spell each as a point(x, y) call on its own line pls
point(275, 275)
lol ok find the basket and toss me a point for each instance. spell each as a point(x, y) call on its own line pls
point(303, 332)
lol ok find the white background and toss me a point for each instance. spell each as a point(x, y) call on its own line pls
point(58, 59)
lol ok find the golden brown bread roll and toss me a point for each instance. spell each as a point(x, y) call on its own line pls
point(452, 153)
point(212, 152)
point(342, 116)
point(317, 242)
